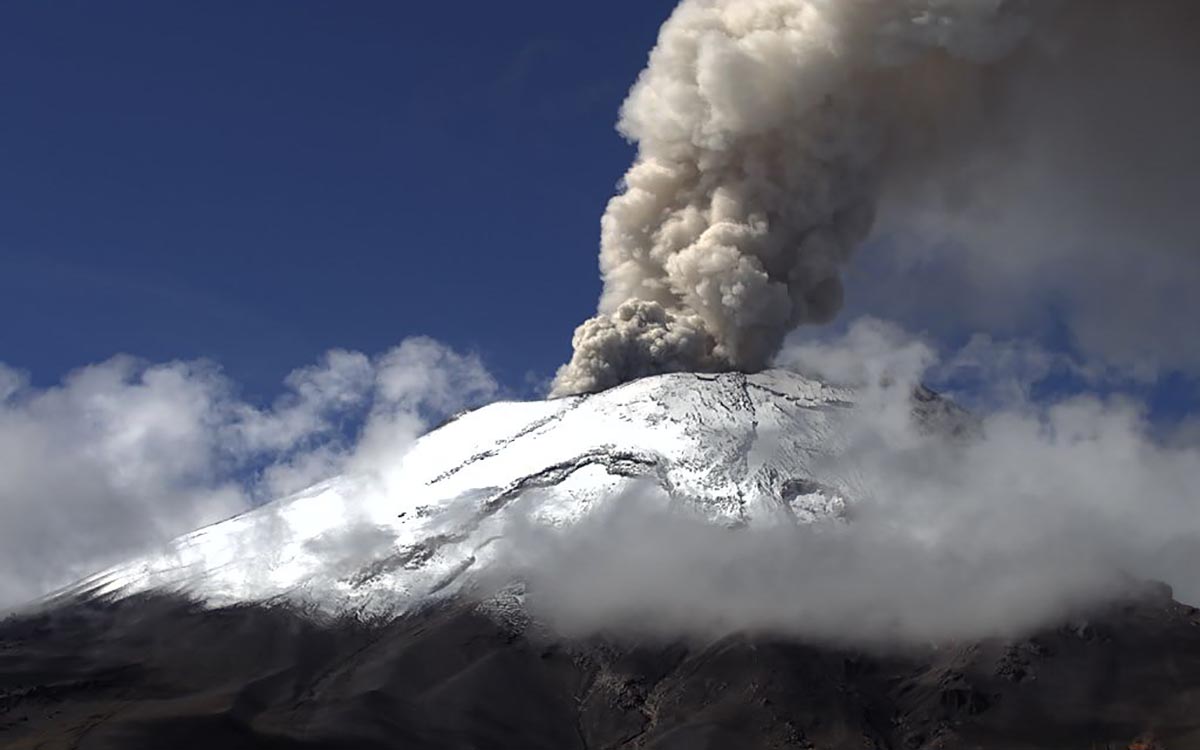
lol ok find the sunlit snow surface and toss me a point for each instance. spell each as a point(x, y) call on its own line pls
point(737, 449)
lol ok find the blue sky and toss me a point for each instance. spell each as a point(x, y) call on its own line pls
point(256, 182)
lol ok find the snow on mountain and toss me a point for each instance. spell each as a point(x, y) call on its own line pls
point(739, 449)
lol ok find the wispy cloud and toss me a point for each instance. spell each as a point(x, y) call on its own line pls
point(125, 454)
point(1046, 509)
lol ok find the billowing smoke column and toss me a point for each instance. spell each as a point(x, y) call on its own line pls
point(762, 127)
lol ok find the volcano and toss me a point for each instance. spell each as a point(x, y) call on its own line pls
point(737, 449)
point(345, 616)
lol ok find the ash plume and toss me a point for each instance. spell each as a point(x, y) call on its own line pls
point(769, 131)
point(760, 127)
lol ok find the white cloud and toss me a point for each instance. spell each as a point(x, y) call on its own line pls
point(872, 351)
point(1044, 510)
point(124, 454)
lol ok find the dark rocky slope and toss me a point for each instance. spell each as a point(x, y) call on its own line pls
point(159, 673)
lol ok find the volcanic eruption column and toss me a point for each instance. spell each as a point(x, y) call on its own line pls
point(764, 129)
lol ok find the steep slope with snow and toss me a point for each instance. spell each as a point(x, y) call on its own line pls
point(737, 449)
point(154, 671)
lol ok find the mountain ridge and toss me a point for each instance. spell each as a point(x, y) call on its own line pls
point(151, 671)
point(737, 449)
point(344, 616)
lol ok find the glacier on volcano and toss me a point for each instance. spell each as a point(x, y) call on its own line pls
point(737, 450)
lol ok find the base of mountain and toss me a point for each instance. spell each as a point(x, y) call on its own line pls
point(156, 672)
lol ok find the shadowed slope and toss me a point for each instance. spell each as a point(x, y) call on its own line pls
point(156, 672)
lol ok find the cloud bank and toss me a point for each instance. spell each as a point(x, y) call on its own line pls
point(124, 455)
point(1045, 510)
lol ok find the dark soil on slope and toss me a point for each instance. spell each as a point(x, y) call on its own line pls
point(160, 673)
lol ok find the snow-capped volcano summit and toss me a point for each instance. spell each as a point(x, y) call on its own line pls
point(765, 449)
point(736, 449)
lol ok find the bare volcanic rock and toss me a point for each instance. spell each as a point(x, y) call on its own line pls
point(155, 672)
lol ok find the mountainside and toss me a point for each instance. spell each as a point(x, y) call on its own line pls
point(149, 673)
point(250, 634)
point(739, 449)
